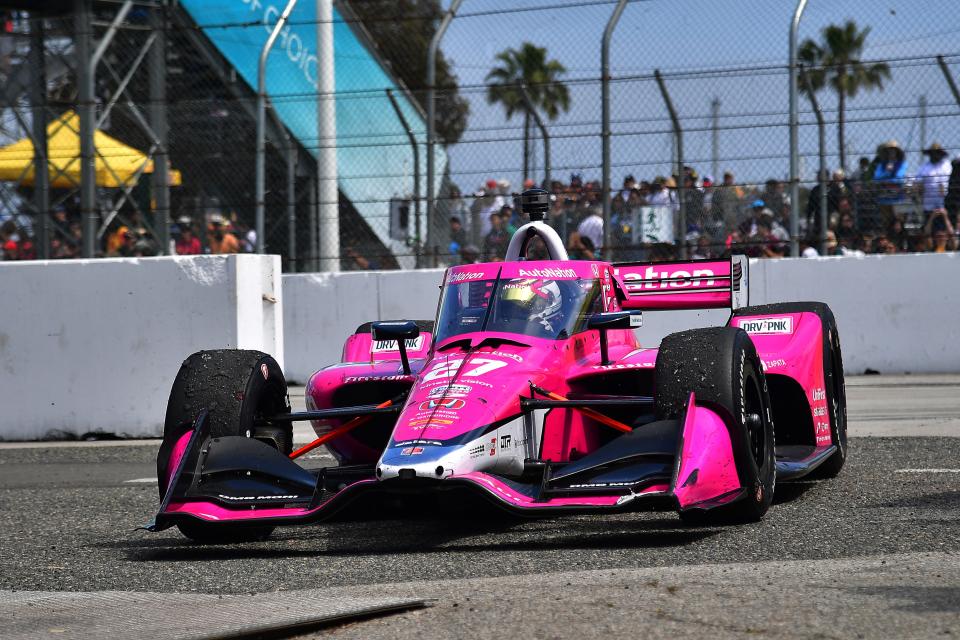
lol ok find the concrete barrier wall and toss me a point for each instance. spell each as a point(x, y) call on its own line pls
point(896, 314)
point(94, 345)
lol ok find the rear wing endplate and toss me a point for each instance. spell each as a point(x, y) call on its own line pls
point(693, 284)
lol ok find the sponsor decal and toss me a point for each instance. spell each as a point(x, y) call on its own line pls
point(413, 344)
point(265, 370)
point(818, 395)
point(504, 354)
point(595, 269)
point(636, 320)
point(627, 365)
point(650, 279)
point(453, 390)
point(411, 451)
point(548, 272)
point(477, 451)
point(493, 446)
point(819, 412)
point(428, 422)
point(461, 277)
point(505, 441)
point(407, 443)
point(446, 403)
point(773, 364)
point(587, 485)
point(777, 325)
point(376, 378)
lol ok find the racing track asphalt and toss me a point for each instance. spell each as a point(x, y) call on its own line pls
point(874, 553)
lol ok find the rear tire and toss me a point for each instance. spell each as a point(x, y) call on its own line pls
point(834, 385)
point(236, 387)
point(721, 367)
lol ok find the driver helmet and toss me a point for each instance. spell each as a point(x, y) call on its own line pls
point(533, 300)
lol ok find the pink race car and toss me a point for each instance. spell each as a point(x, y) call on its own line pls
point(531, 390)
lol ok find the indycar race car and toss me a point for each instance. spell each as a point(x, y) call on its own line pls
point(531, 390)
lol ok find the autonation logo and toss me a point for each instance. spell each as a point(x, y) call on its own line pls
point(548, 272)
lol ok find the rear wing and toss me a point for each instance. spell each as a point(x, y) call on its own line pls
point(695, 284)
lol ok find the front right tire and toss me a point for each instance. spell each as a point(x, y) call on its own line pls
point(721, 367)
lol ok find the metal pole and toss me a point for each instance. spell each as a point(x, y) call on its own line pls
point(923, 125)
point(822, 173)
point(794, 124)
point(38, 103)
point(291, 152)
point(681, 232)
point(715, 138)
point(158, 122)
point(86, 68)
point(327, 194)
point(432, 115)
point(949, 77)
point(260, 178)
point(415, 149)
point(532, 110)
point(605, 110)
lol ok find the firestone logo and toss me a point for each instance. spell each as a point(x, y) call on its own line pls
point(651, 279)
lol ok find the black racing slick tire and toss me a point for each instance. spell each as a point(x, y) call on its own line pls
point(237, 388)
point(832, 375)
point(721, 367)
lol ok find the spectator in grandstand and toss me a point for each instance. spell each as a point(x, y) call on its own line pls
point(580, 247)
point(891, 168)
point(693, 199)
point(941, 231)
point(897, 235)
point(487, 201)
point(703, 250)
point(629, 184)
point(775, 197)
point(187, 243)
point(846, 231)
point(458, 238)
point(932, 181)
point(511, 218)
point(768, 244)
point(11, 251)
point(220, 239)
point(591, 227)
point(863, 172)
point(469, 254)
point(497, 239)
point(952, 200)
point(356, 261)
point(726, 203)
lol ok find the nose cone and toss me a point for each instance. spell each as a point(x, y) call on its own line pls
point(453, 421)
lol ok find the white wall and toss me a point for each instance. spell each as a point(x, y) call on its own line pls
point(94, 345)
point(896, 314)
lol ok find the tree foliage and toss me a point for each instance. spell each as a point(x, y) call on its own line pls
point(836, 61)
point(529, 66)
point(402, 30)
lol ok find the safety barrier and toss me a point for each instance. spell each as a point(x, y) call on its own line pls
point(94, 345)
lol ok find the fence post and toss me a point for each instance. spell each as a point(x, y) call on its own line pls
point(822, 172)
point(328, 204)
point(532, 109)
point(794, 125)
point(38, 103)
point(416, 174)
point(260, 179)
point(432, 115)
point(158, 122)
point(681, 231)
point(291, 152)
point(605, 111)
point(949, 77)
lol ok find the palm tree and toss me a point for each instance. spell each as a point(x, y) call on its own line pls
point(528, 66)
point(836, 61)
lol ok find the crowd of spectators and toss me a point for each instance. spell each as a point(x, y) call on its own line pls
point(125, 236)
point(880, 208)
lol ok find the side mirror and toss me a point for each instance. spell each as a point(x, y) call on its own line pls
point(613, 320)
point(399, 330)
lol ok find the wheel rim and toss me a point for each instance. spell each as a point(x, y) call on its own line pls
point(753, 405)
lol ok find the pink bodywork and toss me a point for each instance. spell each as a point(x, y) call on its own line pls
point(707, 470)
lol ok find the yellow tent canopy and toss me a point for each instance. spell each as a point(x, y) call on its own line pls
point(117, 164)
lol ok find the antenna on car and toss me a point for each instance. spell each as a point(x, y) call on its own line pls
point(535, 203)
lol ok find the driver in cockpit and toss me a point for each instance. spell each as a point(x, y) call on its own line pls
point(533, 306)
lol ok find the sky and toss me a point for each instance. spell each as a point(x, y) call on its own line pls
point(686, 36)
